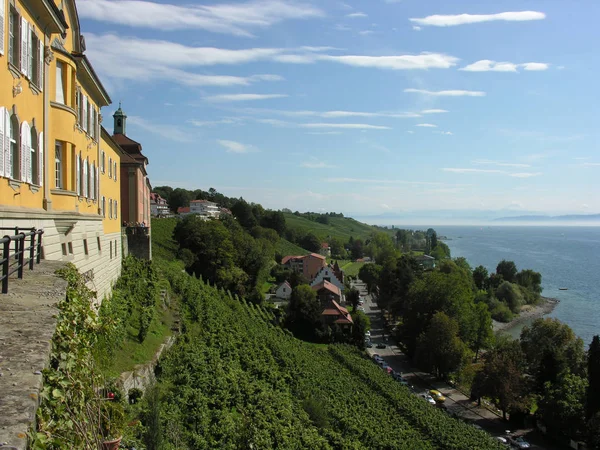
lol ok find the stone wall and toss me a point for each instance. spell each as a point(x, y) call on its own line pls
point(139, 242)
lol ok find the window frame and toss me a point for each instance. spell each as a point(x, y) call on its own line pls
point(58, 164)
point(14, 37)
point(14, 140)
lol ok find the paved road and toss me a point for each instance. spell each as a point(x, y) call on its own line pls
point(456, 402)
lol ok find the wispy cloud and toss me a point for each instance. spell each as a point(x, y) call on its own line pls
point(440, 20)
point(416, 28)
point(357, 15)
point(447, 133)
point(166, 131)
point(448, 93)
point(384, 181)
point(321, 133)
point(433, 111)
point(591, 164)
point(235, 147)
point(499, 163)
point(315, 164)
point(495, 171)
point(365, 32)
point(241, 97)
point(335, 114)
point(524, 174)
point(426, 125)
point(357, 126)
point(209, 123)
point(487, 65)
point(423, 60)
point(222, 17)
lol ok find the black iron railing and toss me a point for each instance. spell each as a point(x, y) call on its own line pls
point(20, 256)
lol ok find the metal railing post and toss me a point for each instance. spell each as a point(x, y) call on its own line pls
point(16, 243)
point(32, 249)
point(5, 264)
point(20, 255)
point(39, 247)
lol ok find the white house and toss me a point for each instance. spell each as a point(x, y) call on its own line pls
point(205, 208)
point(284, 291)
point(327, 273)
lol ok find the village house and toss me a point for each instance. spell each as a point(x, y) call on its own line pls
point(284, 291)
point(325, 249)
point(159, 206)
point(426, 261)
point(336, 315)
point(331, 273)
point(327, 291)
point(204, 208)
point(308, 265)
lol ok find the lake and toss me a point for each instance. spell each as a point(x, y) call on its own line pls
point(567, 257)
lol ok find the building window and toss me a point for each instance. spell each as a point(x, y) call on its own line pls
point(70, 246)
point(85, 247)
point(103, 162)
point(115, 170)
point(109, 167)
point(58, 165)
point(14, 148)
point(60, 82)
point(99, 243)
point(86, 180)
point(35, 161)
point(110, 249)
point(116, 210)
point(64, 249)
point(103, 207)
point(78, 177)
point(14, 45)
point(35, 59)
point(110, 214)
point(79, 105)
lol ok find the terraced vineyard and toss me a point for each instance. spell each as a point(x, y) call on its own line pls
point(235, 380)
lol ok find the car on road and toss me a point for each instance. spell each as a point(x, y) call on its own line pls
point(437, 395)
point(503, 441)
point(381, 345)
point(429, 399)
point(368, 334)
point(518, 442)
point(368, 344)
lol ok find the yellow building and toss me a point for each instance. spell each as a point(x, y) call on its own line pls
point(54, 164)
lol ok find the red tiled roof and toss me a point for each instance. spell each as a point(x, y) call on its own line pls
point(324, 245)
point(202, 201)
point(333, 309)
point(329, 286)
point(183, 209)
point(287, 258)
point(316, 255)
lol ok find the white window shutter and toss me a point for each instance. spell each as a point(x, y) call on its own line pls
point(97, 186)
point(85, 108)
point(24, 46)
point(78, 175)
point(85, 179)
point(28, 167)
point(24, 150)
point(2, 21)
point(30, 51)
point(41, 159)
point(41, 63)
point(7, 152)
point(3, 133)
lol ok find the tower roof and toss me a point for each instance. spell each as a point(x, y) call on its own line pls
point(119, 112)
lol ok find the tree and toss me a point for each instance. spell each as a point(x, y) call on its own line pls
point(361, 325)
point(440, 251)
point(480, 278)
point(484, 334)
point(179, 198)
point(337, 248)
point(502, 376)
point(274, 220)
point(403, 239)
point(530, 280)
point(511, 295)
point(242, 211)
point(439, 349)
point(356, 248)
point(462, 262)
point(508, 270)
point(304, 314)
point(311, 243)
point(551, 349)
point(381, 248)
point(593, 371)
point(369, 274)
point(562, 406)
point(353, 297)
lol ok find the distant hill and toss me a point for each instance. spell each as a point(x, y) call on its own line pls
point(340, 227)
point(587, 218)
point(285, 247)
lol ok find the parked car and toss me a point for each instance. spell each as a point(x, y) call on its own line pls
point(519, 442)
point(429, 399)
point(381, 345)
point(368, 334)
point(369, 344)
point(437, 395)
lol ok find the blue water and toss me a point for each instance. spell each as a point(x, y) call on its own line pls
point(567, 257)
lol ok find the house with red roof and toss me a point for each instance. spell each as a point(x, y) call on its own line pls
point(308, 265)
point(325, 249)
point(327, 291)
point(334, 314)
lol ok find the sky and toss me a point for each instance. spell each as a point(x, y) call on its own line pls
point(367, 107)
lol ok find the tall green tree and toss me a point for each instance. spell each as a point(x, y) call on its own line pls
point(304, 314)
point(439, 349)
point(369, 274)
point(361, 325)
point(440, 252)
point(179, 198)
point(508, 270)
point(353, 297)
point(481, 278)
point(484, 334)
point(552, 349)
point(274, 220)
point(357, 248)
point(242, 211)
point(381, 248)
point(530, 280)
point(510, 294)
point(562, 407)
point(593, 372)
point(311, 242)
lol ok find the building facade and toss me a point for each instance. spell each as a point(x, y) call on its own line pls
point(159, 206)
point(205, 208)
point(50, 103)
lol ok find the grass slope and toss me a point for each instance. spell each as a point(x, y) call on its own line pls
point(163, 245)
point(339, 227)
point(285, 247)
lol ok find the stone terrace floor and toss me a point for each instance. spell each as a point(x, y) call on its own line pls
point(27, 323)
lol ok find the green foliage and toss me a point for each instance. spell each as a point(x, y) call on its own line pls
point(163, 245)
point(511, 296)
point(381, 248)
point(285, 248)
point(562, 407)
point(593, 372)
point(353, 297)
point(310, 242)
point(304, 314)
point(508, 270)
point(369, 274)
point(441, 251)
point(481, 278)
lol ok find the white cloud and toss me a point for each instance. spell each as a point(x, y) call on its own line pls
point(449, 93)
point(314, 164)
point(331, 114)
point(274, 122)
point(417, 28)
point(591, 164)
point(242, 97)
point(410, 132)
point(356, 15)
point(228, 18)
point(170, 132)
point(384, 206)
point(447, 133)
point(235, 147)
point(525, 174)
point(535, 66)
point(357, 126)
point(499, 163)
point(384, 181)
point(208, 123)
point(469, 170)
point(487, 65)
point(366, 32)
point(439, 20)
point(424, 60)
point(433, 111)
point(340, 27)
point(426, 125)
point(320, 133)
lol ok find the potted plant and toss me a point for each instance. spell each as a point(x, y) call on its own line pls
point(112, 424)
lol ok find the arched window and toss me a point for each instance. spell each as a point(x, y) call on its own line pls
point(35, 158)
point(13, 167)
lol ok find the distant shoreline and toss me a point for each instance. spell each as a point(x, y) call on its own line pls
point(528, 312)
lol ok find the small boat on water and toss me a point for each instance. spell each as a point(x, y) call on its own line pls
point(563, 289)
